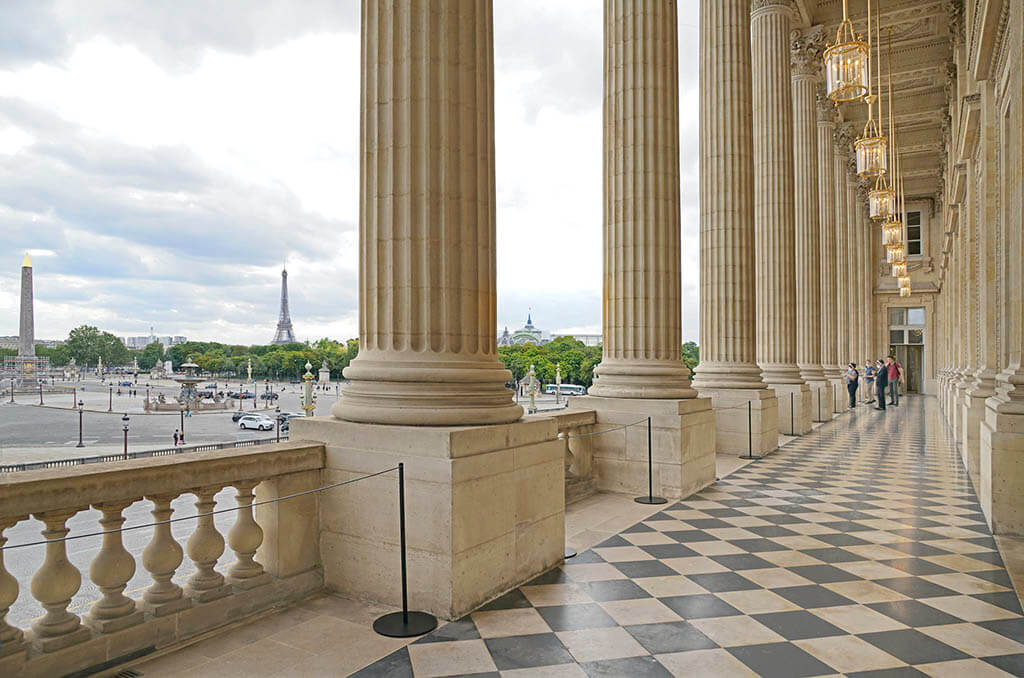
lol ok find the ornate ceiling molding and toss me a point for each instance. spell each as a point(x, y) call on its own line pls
point(807, 48)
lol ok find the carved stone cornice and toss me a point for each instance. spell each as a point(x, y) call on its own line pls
point(766, 5)
point(955, 11)
point(806, 51)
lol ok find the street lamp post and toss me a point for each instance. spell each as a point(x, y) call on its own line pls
point(81, 405)
point(182, 412)
point(277, 422)
point(12, 389)
point(40, 392)
point(110, 405)
point(125, 420)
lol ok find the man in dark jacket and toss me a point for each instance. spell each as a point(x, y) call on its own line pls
point(881, 383)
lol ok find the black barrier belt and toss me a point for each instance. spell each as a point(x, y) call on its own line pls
point(199, 515)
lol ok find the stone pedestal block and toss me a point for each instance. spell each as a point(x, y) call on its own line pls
point(485, 509)
point(821, 400)
point(732, 433)
point(795, 408)
point(1001, 470)
point(682, 444)
point(972, 413)
point(840, 400)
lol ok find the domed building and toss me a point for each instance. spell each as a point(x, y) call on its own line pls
point(524, 335)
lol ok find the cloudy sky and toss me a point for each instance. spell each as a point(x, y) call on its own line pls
point(162, 159)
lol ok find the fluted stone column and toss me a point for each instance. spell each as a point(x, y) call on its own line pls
point(852, 305)
point(728, 370)
point(642, 283)
point(827, 254)
point(867, 267)
point(641, 372)
point(842, 250)
point(969, 319)
point(805, 61)
point(427, 344)
point(774, 219)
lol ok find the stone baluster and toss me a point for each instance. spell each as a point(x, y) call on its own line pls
point(53, 585)
point(161, 558)
point(12, 640)
point(244, 538)
point(111, 570)
point(204, 547)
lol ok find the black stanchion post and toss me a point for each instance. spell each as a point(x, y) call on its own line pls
point(650, 498)
point(750, 432)
point(792, 413)
point(404, 624)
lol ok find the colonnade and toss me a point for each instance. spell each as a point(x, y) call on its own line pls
point(981, 303)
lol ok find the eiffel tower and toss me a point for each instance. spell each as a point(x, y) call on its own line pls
point(284, 334)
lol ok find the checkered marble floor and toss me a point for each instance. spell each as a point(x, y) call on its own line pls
point(857, 550)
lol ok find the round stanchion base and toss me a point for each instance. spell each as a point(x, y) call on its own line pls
point(651, 500)
point(415, 624)
point(570, 552)
point(748, 456)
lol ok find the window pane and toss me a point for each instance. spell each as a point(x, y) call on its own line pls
point(898, 316)
point(913, 218)
point(914, 247)
point(913, 232)
point(915, 316)
point(896, 337)
point(915, 336)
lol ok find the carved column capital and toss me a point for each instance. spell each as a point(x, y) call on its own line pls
point(806, 49)
point(825, 107)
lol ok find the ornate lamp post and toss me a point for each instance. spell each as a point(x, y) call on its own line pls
point(277, 422)
point(81, 405)
point(125, 420)
point(558, 383)
point(307, 387)
point(110, 404)
point(40, 392)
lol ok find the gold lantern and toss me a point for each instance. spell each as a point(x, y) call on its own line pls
point(904, 281)
point(895, 253)
point(899, 270)
point(882, 201)
point(846, 63)
point(871, 147)
point(904, 291)
point(892, 233)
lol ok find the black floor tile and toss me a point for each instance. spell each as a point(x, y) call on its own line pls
point(635, 667)
point(917, 566)
point(1007, 600)
point(638, 569)
point(395, 665)
point(554, 576)
point(460, 629)
point(761, 545)
point(901, 672)
point(1011, 663)
point(717, 582)
point(915, 587)
point(701, 606)
point(670, 637)
point(841, 539)
point(575, 617)
point(823, 574)
point(663, 551)
point(798, 625)
point(780, 660)
point(616, 589)
point(587, 556)
point(811, 596)
point(742, 561)
point(914, 613)
point(833, 555)
point(686, 536)
point(612, 542)
point(912, 646)
point(511, 600)
point(525, 652)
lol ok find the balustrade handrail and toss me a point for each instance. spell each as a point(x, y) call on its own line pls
point(120, 456)
point(57, 488)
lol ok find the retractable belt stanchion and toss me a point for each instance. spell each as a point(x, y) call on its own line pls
point(404, 624)
point(650, 498)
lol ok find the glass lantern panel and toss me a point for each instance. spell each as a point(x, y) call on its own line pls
point(871, 156)
point(846, 73)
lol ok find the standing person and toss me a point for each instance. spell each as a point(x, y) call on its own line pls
point(869, 382)
point(175, 437)
point(852, 378)
point(895, 372)
point(181, 439)
point(882, 381)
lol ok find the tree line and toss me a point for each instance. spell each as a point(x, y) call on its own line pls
point(86, 344)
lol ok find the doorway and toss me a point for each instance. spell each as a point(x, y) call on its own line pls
point(912, 359)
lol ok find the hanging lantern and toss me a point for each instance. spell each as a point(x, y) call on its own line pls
point(871, 151)
point(904, 281)
point(904, 291)
point(899, 270)
point(846, 64)
point(882, 202)
point(892, 232)
point(895, 253)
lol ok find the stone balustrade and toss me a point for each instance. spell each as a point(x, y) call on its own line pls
point(575, 430)
point(275, 550)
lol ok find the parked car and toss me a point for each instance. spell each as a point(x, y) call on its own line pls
point(256, 421)
point(284, 420)
point(239, 414)
point(124, 383)
point(241, 396)
point(213, 386)
point(269, 396)
point(206, 393)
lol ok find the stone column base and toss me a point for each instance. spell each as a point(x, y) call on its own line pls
point(795, 407)
point(731, 420)
point(821, 400)
point(485, 509)
point(840, 399)
point(1001, 469)
point(682, 444)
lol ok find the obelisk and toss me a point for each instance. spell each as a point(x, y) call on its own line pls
point(26, 330)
